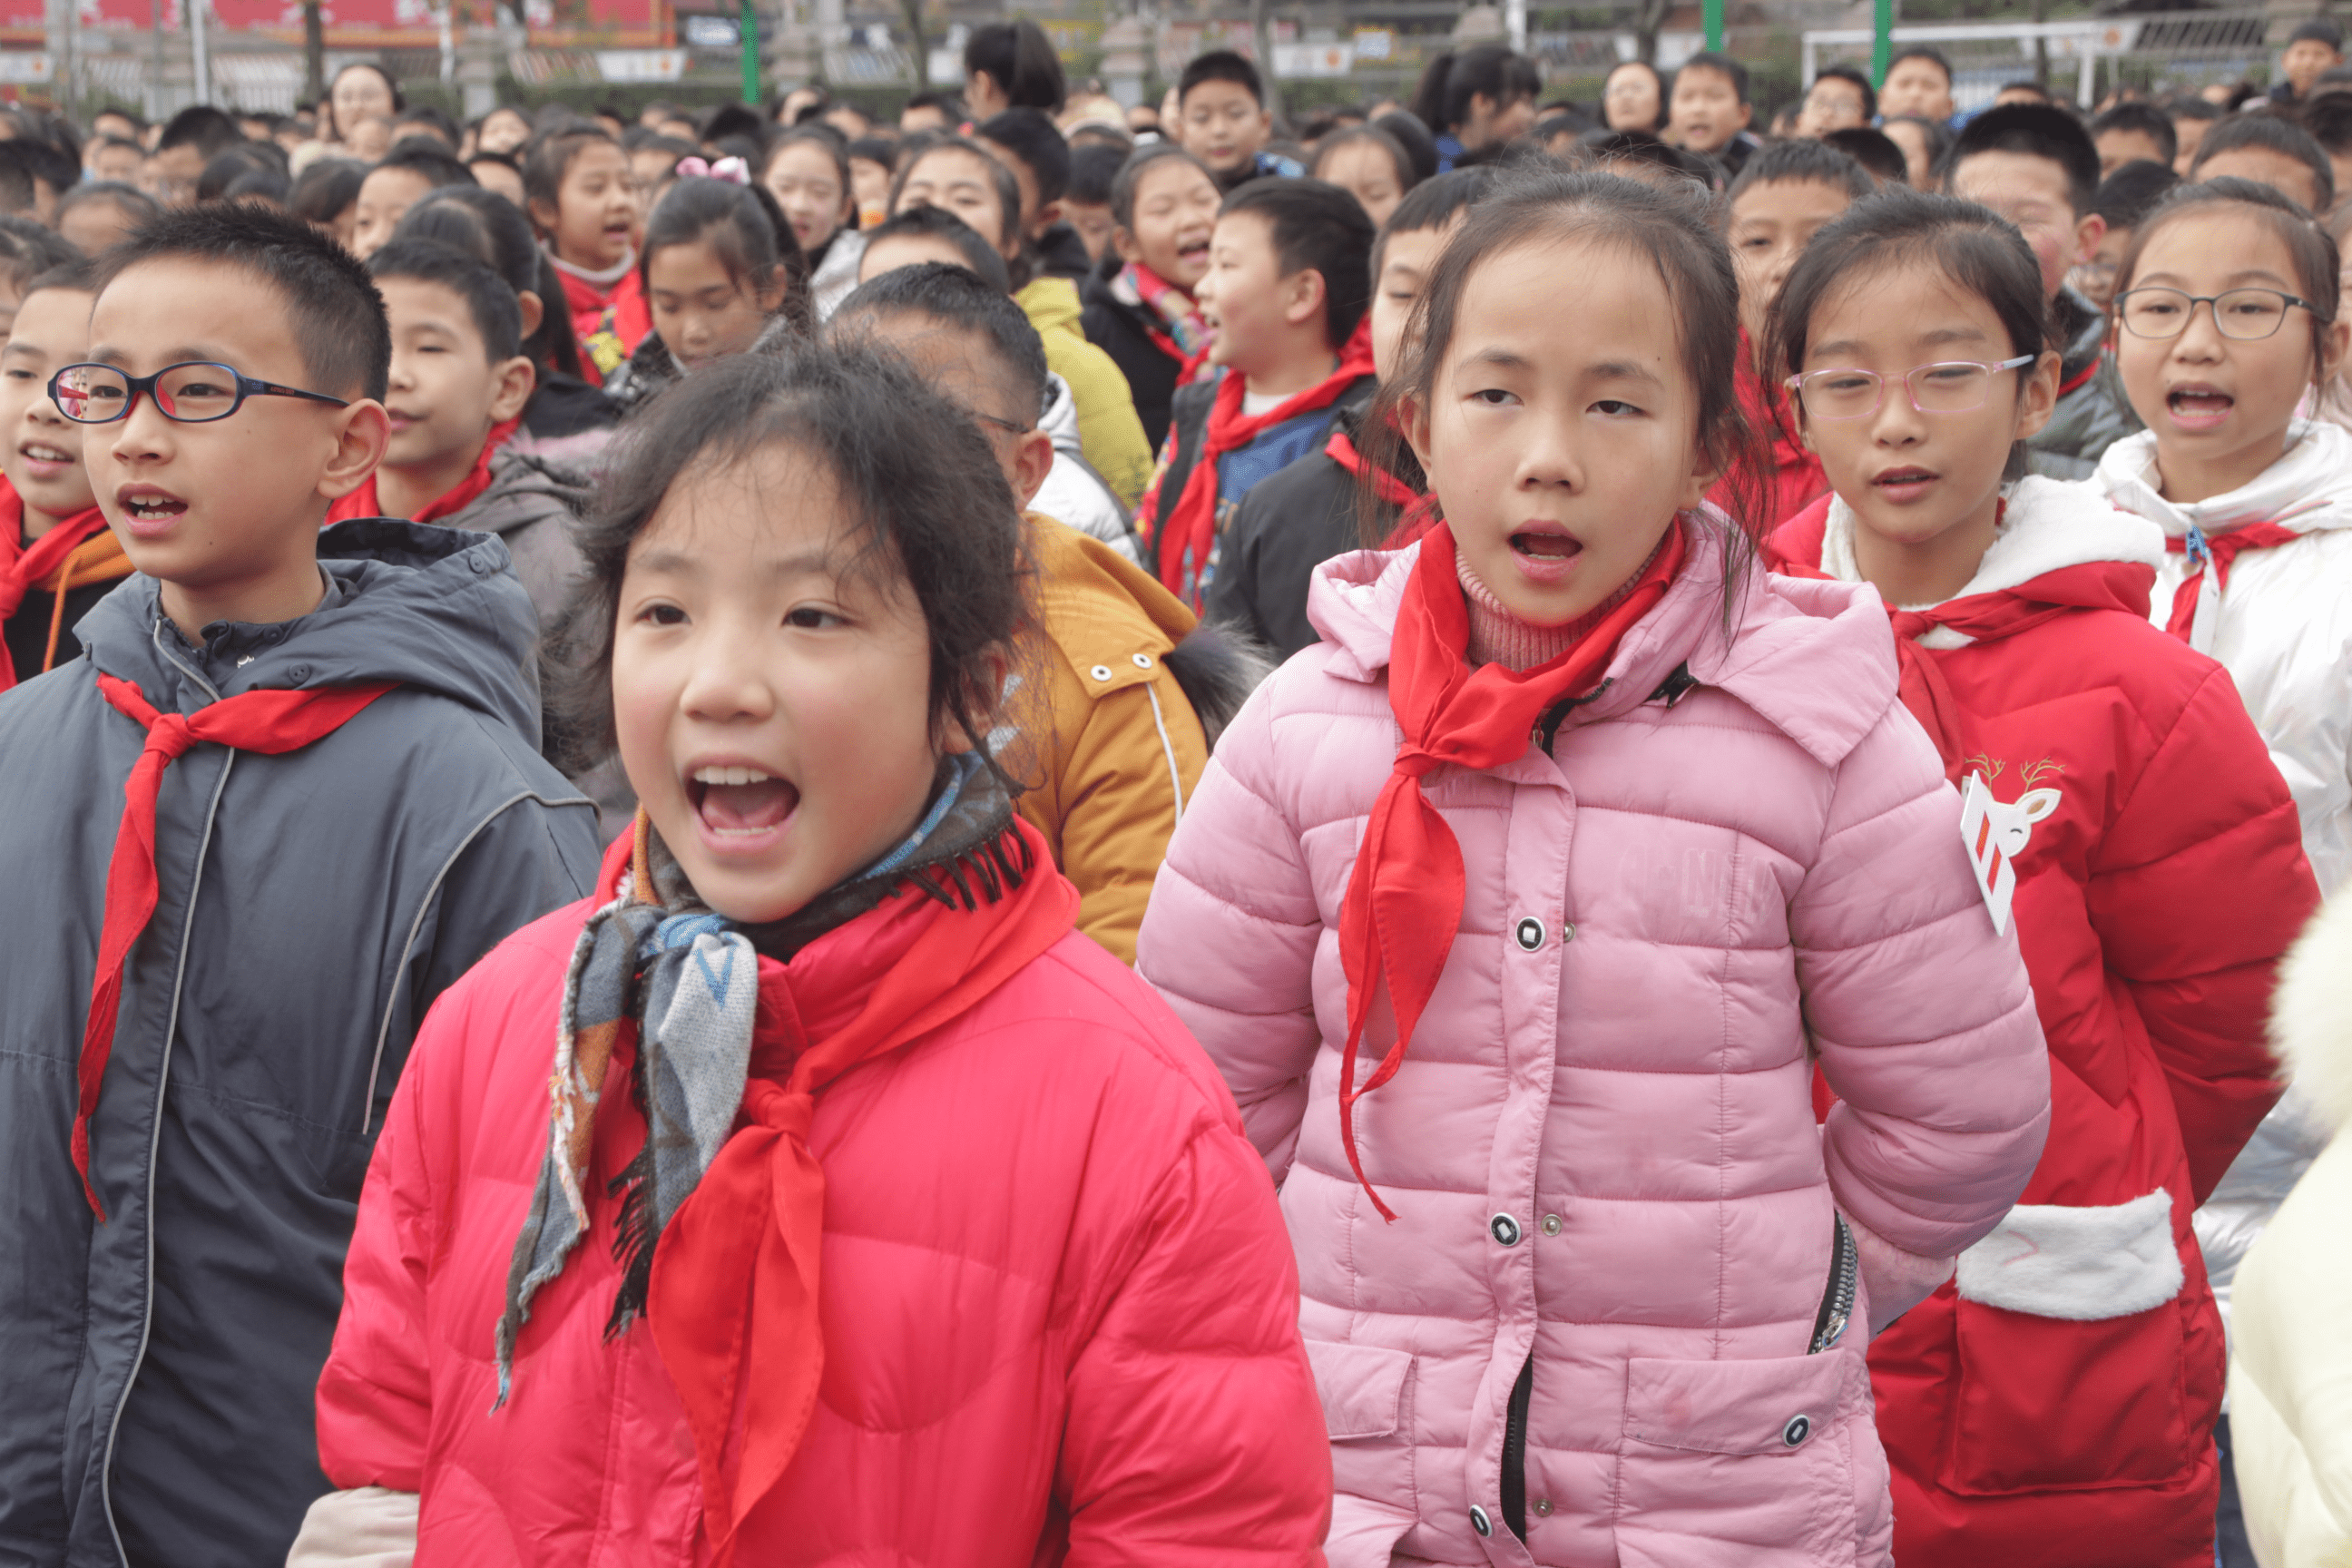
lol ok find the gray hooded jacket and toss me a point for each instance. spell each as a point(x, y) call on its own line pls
point(157, 1370)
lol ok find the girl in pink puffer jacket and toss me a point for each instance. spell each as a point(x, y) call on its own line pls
point(1517, 913)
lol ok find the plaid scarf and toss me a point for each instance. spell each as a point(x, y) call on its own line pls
point(1188, 332)
point(689, 977)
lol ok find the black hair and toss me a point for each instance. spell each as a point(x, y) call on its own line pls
point(2191, 107)
point(2329, 118)
point(333, 307)
point(1413, 137)
point(952, 295)
point(1723, 63)
point(1026, 134)
point(2126, 197)
point(1407, 176)
point(1220, 65)
point(744, 229)
point(927, 508)
point(134, 202)
point(436, 163)
point(1873, 149)
point(326, 189)
point(1451, 81)
point(497, 318)
point(1432, 204)
point(981, 256)
point(550, 157)
point(1666, 96)
point(1800, 160)
point(259, 184)
point(1130, 178)
point(1008, 189)
point(2036, 130)
point(27, 251)
point(948, 104)
point(1940, 141)
point(2309, 246)
point(1021, 60)
point(2276, 134)
point(1600, 147)
point(729, 119)
point(432, 119)
point(76, 275)
point(879, 150)
point(1901, 229)
point(2145, 118)
point(1093, 171)
point(42, 162)
point(1859, 77)
point(1315, 225)
point(1670, 227)
point(486, 225)
point(2319, 30)
point(223, 168)
point(18, 194)
point(1934, 56)
point(503, 160)
point(200, 126)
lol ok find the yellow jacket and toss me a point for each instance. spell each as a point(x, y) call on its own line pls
point(1108, 429)
point(1109, 746)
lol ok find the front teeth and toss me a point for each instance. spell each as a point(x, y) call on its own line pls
point(151, 508)
point(730, 775)
point(47, 455)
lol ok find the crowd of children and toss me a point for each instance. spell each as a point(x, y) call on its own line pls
point(1062, 834)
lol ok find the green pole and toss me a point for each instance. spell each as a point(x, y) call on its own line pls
point(751, 54)
point(1882, 43)
point(1712, 10)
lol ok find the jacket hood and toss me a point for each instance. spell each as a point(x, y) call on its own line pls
point(1814, 658)
point(2308, 489)
point(525, 487)
point(1050, 302)
point(2048, 526)
point(1060, 419)
point(2311, 1014)
point(436, 608)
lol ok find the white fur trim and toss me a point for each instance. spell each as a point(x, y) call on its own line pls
point(2081, 1264)
point(2049, 525)
point(2310, 1013)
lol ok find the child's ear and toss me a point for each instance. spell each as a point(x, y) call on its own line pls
point(1303, 296)
point(515, 379)
point(2091, 229)
point(2334, 339)
point(1032, 463)
point(544, 217)
point(1048, 214)
point(1413, 423)
point(1124, 243)
point(1707, 471)
point(2037, 397)
point(534, 312)
point(984, 705)
point(362, 432)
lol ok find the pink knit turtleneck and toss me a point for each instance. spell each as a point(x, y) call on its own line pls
point(1498, 637)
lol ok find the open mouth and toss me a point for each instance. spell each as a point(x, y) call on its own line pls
point(1545, 545)
point(147, 508)
point(46, 457)
point(2199, 404)
point(738, 802)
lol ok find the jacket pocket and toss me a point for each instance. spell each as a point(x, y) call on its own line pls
point(2071, 1352)
point(1747, 1461)
point(1362, 1388)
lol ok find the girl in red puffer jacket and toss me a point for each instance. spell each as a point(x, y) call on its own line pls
point(813, 1193)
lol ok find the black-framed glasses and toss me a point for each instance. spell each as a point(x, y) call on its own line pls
point(194, 393)
point(1949, 386)
point(2248, 315)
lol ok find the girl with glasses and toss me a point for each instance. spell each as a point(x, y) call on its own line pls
point(2122, 811)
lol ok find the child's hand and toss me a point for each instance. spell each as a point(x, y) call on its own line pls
point(1894, 1280)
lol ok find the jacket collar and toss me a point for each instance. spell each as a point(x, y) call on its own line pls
point(2308, 489)
point(2047, 526)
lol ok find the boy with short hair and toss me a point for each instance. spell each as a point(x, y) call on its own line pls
point(2123, 200)
point(2329, 121)
point(1085, 205)
point(57, 557)
point(324, 749)
point(407, 174)
point(2034, 164)
point(1841, 96)
point(455, 395)
point(1300, 517)
point(2134, 132)
point(1918, 82)
point(191, 139)
point(2191, 118)
point(1708, 110)
point(1287, 285)
point(1222, 120)
point(2272, 151)
point(2313, 49)
point(1029, 145)
point(928, 233)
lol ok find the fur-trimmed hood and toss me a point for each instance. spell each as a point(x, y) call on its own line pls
point(2311, 1016)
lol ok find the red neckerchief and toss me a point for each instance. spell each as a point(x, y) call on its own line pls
point(1404, 896)
point(363, 502)
point(26, 567)
point(1795, 476)
point(1181, 547)
point(1795, 551)
point(271, 722)
point(1387, 486)
point(2221, 550)
point(733, 1300)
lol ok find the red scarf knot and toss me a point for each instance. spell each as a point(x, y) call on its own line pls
point(271, 722)
point(2218, 550)
point(1404, 897)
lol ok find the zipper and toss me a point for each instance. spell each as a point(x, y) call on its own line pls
point(1837, 1301)
point(1515, 1451)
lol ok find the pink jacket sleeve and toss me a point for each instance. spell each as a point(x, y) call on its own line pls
point(1195, 1435)
point(1922, 1015)
point(1230, 936)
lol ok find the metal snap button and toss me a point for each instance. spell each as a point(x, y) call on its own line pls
point(1479, 1522)
point(1798, 1428)
point(1567, 932)
point(1529, 932)
point(1100, 672)
point(1506, 1229)
point(1143, 662)
point(1543, 1508)
point(1551, 1224)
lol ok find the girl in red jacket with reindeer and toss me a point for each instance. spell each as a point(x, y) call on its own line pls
point(2053, 1403)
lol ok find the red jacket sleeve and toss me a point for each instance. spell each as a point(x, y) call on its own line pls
point(2199, 886)
point(1194, 1435)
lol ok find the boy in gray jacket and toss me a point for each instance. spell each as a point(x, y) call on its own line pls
point(288, 794)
